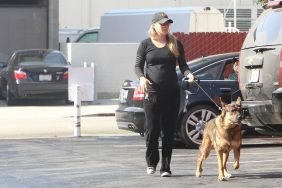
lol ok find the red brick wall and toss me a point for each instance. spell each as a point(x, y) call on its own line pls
point(204, 44)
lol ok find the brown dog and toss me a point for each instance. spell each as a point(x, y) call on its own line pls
point(224, 134)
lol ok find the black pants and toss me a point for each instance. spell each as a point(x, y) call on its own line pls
point(161, 116)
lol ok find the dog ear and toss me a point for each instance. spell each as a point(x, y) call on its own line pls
point(223, 103)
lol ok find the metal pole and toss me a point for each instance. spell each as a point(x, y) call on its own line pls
point(93, 66)
point(235, 15)
point(77, 110)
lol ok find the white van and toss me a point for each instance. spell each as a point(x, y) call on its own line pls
point(132, 25)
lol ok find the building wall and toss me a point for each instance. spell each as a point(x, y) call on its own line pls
point(28, 24)
point(53, 25)
point(113, 63)
point(87, 13)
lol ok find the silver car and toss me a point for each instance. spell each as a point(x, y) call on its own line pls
point(260, 71)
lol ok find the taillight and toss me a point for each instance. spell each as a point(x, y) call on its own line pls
point(138, 95)
point(280, 79)
point(66, 75)
point(20, 75)
point(274, 4)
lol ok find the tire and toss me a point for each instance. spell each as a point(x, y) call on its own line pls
point(193, 124)
point(10, 99)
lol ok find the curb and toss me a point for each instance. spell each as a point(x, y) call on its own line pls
point(99, 114)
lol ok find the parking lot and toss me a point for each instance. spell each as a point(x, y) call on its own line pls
point(118, 161)
point(38, 149)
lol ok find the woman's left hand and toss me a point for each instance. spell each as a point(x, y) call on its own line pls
point(190, 77)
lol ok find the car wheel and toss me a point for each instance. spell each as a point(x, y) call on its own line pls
point(193, 124)
point(10, 99)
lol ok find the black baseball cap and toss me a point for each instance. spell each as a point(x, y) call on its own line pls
point(161, 17)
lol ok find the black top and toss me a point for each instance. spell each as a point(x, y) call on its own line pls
point(161, 65)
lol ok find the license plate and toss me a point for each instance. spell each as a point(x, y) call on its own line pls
point(45, 77)
point(123, 95)
point(254, 75)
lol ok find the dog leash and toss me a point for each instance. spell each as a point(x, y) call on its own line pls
point(219, 108)
point(188, 92)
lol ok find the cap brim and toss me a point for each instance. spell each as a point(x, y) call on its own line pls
point(164, 20)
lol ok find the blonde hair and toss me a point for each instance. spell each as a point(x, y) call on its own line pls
point(171, 40)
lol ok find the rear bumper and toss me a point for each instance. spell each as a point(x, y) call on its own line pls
point(131, 118)
point(42, 90)
point(265, 115)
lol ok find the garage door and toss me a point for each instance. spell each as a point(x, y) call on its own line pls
point(23, 25)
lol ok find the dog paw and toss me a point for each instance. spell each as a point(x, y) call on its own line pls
point(236, 165)
point(198, 174)
point(227, 175)
point(221, 178)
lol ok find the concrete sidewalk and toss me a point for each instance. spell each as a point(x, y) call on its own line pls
point(57, 120)
point(101, 107)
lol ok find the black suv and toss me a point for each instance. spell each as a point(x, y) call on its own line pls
point(260, 72)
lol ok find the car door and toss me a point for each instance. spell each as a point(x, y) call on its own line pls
point(212, 84)
point(225, 84)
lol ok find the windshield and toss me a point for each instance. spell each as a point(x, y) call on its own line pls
point(269, 29)
point(88, 38)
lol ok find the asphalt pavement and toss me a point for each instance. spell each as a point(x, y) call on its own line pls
point(112, 159)
point(118, 161)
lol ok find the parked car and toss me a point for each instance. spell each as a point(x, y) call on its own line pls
point(3, 60)
point(212, 71)
point(69, 35)
point(38, 73)
point(88, 36)
point(260, 72)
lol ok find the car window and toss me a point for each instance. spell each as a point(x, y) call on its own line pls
point(230, 71)
point(210, 72)
point(46, 58)
point(54, 58)
point(88, 38)
point(202, 60)
point(269, 30)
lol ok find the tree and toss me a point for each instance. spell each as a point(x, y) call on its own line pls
point(262, 2)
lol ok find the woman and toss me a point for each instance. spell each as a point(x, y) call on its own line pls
point(159, 81)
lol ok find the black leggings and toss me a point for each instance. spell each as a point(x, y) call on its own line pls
point(161, 116)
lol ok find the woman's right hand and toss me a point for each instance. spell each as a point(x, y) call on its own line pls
point(144, 84)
